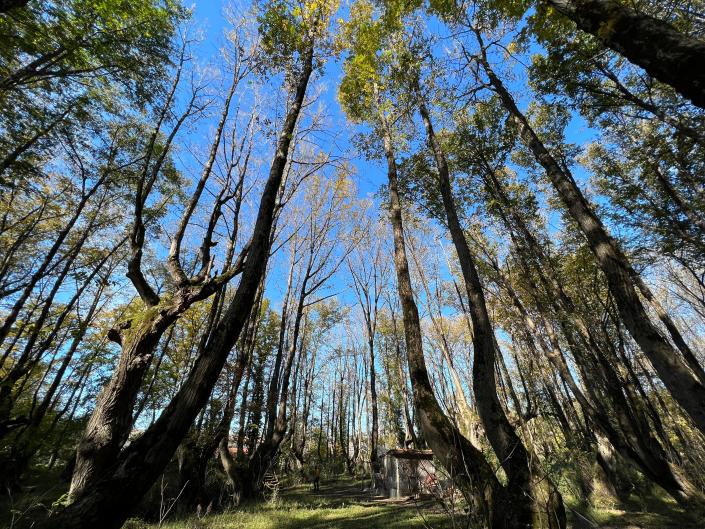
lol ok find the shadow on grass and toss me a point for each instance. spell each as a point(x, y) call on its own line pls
point(648, 512)
point(386, 517)
point(331, 494)
point(351, 517)
point(674, 520)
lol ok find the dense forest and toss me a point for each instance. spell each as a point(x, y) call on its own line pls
point(257, 257)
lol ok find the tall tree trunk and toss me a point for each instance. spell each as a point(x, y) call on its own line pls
point(536, 501)
point(657, 46)
point(460, 458)
point(107, 504)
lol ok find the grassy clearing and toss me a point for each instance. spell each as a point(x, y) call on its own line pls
point(343, 504)
point(286, 515)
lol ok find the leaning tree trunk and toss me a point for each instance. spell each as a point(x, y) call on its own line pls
point(535, 499)
point(466, 465)
point(111, 421)
point(682, 383)
point(634, 444)
point(107, 504)
point(657, 46)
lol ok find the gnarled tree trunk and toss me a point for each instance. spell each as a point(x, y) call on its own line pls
point(107, 504)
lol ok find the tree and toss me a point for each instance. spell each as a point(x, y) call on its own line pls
point(369, 280)
point(622, 278)
point(537, 502)
point(139, 465)
point(462, 460)
point(319, 248)
point(656, 45)
point(111, 420)
point(64, 66)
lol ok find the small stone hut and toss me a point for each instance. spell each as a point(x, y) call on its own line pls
point(408, 472)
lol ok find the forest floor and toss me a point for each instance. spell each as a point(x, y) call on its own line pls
point(340, 504)
point(345, 504)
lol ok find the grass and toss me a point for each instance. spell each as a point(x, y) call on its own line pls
point(652, 511)
point(344, 504)
point(42, 488)
point(341, 504)
point(293, 516)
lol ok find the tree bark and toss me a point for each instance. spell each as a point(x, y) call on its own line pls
point(111, 421)
point(536, 501)
point(465, 464)
point(657, 46)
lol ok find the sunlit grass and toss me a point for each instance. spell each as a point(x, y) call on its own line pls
point(292, 516)
point(341, 505)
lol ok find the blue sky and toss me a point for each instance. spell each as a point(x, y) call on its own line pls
point(209, 19)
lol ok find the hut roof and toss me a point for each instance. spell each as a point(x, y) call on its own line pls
point(410, 453)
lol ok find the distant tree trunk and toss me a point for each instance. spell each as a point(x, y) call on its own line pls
point(248, 476)
point(242, 418)
point(374, 433)
point(255, 407)
point(300, 446)
point(657, 46)
point(29, 439)
point(274, 388)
